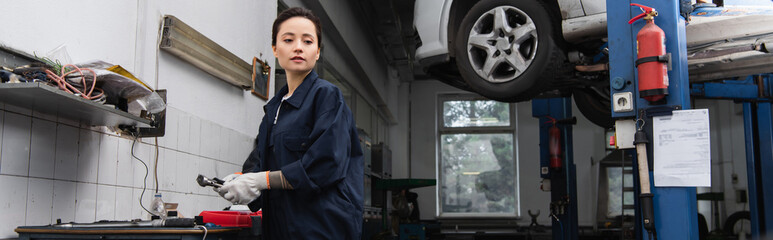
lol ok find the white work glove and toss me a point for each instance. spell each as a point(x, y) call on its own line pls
point(226, 179)
point(245, 188)
point(231, 177)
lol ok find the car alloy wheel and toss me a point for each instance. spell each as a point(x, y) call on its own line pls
point(505, 51)
point(502, 44)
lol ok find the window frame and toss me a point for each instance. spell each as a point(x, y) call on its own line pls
point(443, 130)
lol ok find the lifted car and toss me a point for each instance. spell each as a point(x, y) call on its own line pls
point(513, 50)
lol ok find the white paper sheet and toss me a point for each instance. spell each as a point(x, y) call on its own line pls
point(682, 156)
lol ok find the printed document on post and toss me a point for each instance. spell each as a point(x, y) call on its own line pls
point(682, 155)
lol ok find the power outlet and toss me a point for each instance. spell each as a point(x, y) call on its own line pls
point(622, 102)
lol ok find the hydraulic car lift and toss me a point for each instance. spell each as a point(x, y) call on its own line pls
point(560, 176)
point(674, 208)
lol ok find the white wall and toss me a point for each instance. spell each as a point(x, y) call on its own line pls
point(55, 168)
point(588, 142)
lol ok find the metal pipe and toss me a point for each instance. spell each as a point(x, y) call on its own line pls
point(592, 68)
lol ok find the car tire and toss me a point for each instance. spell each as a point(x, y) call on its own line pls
point(594, 105)
point(523, 59)
point(743, 217)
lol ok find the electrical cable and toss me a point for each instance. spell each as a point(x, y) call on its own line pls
point(155, 75)
point(155, 168)
point(144, 180)
point(64, 85)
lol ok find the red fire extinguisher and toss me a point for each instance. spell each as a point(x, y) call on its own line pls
point(652, 58)
point(554, 145)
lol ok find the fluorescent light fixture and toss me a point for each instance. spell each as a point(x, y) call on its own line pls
point(181, 40)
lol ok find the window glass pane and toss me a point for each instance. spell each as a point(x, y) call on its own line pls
point(615, 199)
point(628, 180)
point(477, 173)
point(628, 198)
point(477, 113)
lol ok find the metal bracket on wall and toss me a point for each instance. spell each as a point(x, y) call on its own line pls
point(159, 121)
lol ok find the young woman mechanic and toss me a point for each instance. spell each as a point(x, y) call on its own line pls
point(307, 167)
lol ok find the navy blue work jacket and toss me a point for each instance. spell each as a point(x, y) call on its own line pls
point(315, 144)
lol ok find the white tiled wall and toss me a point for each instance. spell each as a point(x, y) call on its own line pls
point(55, 169)
point(16, 149)
point(13, 203)
point(42, 148)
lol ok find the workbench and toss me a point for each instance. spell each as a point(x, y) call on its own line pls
point(189, 233)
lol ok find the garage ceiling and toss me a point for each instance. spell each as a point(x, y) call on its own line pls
point(393, 29)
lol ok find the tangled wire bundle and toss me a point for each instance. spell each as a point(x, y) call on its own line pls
point(64, 85)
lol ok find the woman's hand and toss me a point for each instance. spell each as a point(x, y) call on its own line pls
point(245, 188)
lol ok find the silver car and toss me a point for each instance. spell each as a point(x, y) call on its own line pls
point(512, 50)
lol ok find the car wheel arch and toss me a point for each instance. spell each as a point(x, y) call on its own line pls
point(456, 14)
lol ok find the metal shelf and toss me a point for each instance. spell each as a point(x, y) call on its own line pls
point(51, 100)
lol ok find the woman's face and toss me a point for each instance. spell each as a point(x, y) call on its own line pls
point(296, 47)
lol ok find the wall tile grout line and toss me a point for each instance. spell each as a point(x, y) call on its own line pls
point(51, 215)
point(29, 160)
point(99, 184)
point(26, 196)
point(75, 208)
point(53, 174)
point(31, 115)
point(197, 155)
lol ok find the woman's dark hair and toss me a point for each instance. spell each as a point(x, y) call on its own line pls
point(296, 12)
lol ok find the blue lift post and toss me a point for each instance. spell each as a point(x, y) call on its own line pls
point(563, 181)
point(756, 93)
point(675, 208)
